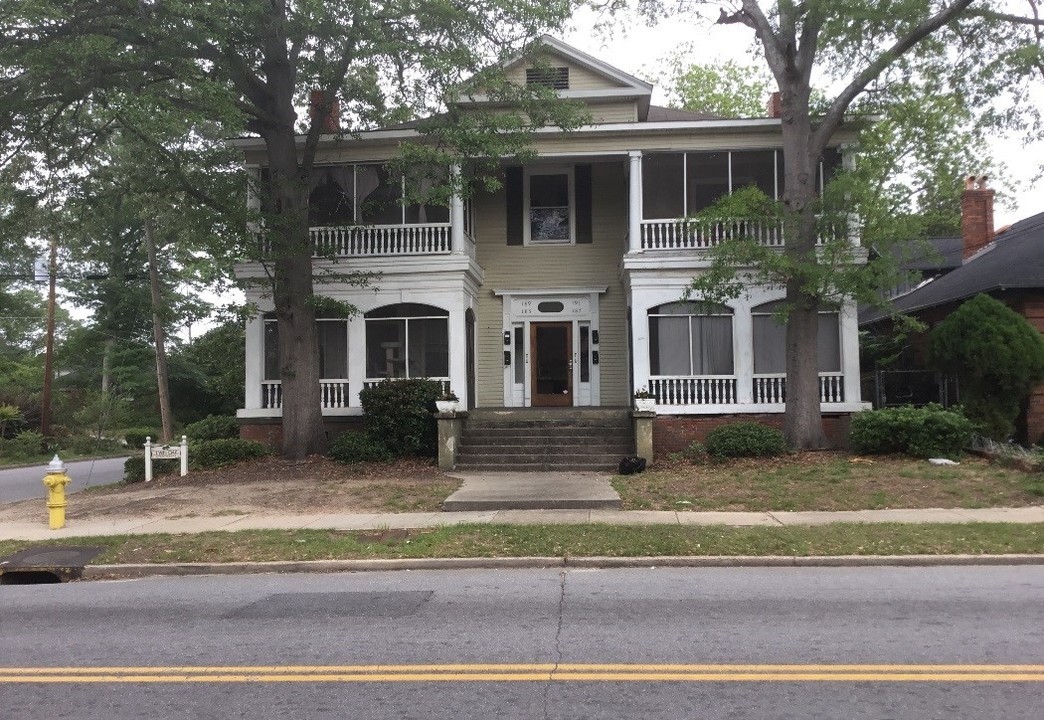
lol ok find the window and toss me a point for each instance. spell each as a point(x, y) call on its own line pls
point(271, 350)
point(688, 339)
point(371, 194)
point(332, 337)
point(549, 197)
point(407, 340)
point(770, 339)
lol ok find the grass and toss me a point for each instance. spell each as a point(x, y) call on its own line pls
point(564, 540)
point(827, 481)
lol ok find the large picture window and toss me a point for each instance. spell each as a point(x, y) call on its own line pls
point(770, 341)
point(408, 340)
point(332, 335)
point(687, 339)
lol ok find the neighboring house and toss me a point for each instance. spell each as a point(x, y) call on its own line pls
point(1008, 265)
point(564, 287)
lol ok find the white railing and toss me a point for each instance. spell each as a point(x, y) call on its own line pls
point(378, 240)
point(694, 390)
point(444, 382)
point(332, 393)
point(684, 234)
point(771, 388)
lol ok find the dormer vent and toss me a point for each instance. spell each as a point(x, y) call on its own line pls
point(555, 78)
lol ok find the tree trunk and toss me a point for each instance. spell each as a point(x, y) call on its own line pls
point(292, 294)
point(162, 384)
point(802, 419)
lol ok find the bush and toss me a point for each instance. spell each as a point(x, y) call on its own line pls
point(134, 468)
point(26, 444)
point(135, 437)
point(745, 439)
point(354, 447)
point(228, 451)
point(400, 413)
point(213, 427)
point(929, 431)
point(87, 445)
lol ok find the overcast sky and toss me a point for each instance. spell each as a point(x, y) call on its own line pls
point(641, 51)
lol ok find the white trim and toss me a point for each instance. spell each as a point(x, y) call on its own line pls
point(551, 291)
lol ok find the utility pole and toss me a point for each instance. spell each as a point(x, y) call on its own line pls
point(158, 333)
point(45, 400)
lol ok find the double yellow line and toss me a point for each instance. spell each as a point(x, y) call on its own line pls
point(526, 673)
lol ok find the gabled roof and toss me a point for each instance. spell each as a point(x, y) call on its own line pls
point(1014, 260)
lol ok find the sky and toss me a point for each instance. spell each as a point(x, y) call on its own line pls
point(641, 51)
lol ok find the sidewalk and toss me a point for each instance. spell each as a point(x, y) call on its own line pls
point(378, 521)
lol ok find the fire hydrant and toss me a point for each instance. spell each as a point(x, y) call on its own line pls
point(56, 480)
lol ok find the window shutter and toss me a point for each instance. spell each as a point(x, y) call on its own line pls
point(582, 177)
point(513, 194)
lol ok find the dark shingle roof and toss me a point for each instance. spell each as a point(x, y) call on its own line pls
point(945, 254)
point(1014, 260)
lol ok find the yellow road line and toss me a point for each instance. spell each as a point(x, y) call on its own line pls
point(527, 673)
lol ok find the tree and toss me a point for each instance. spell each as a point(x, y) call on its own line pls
point(249, 66)
point(860, 47)
point(723, 88)
point(998, 358)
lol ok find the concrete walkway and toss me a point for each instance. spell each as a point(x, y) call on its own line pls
point(488, 491)
point(377, 521)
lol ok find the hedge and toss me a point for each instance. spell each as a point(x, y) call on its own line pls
point(929, 431)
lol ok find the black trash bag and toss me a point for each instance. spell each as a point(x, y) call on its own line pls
point(632, 465)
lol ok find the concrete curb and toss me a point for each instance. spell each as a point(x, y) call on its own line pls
point(114, 572)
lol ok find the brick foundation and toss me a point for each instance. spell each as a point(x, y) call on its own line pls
point(269, 431)
point(674, 433)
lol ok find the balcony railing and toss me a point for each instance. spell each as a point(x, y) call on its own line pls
point(381, 240)
point(685, 234)
point(771, 388)
point(694, 390)
point(333, 394)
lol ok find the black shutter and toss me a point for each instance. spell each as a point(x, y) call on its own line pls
point(582, 178)
point(513, 194)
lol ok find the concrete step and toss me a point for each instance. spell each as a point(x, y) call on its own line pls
point(557, 466)
point(546, 432)
point(550, 449)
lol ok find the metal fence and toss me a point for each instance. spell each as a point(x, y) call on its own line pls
point(891, 388)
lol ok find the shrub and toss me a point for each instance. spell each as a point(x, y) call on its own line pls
point(213, 427)
point(693, 453)
point(134, 468)
point(745, 439)
point(998, 357)
point(26, 444)
point(354, 447)
point(401, 414)
point(928, 431)
point(135, 437)
point(228, 451)
point(85, 445)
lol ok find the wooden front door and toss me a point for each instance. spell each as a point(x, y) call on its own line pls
point(551, 345)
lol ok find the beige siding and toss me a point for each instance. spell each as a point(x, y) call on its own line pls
point(580, 78)
point(614, 112)
point(565, 266)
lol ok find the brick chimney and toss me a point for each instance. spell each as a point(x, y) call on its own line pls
point(775, 105)
point(332, 118)
point(976, 215)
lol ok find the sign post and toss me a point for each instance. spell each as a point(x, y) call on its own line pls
point(165, 452)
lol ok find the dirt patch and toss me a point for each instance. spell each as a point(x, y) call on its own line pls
point(265, 486)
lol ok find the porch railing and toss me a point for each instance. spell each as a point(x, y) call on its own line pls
point(332, 394)
point(771, 388)
point(685, 234)
point(381, 240)
point(694, 390)
point(444, 382)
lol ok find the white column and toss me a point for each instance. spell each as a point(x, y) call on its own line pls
point(356, 358)
point(848, 164)
point(458, 357)
point(634, 201)
point(640, 343)
point(743, 352)
point(849, 320)
point(456, 215)
point(255, 358)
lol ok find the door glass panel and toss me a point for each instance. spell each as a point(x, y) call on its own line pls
point(520, 356)
point(585, 354)
point(552, 360)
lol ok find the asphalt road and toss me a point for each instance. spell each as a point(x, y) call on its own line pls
point(530, 644)
point(27, 482)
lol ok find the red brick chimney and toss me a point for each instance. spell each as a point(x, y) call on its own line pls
point(775, 105)
point(332, 117)
point(976, 215)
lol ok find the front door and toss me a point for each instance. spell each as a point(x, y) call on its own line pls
point(551, 345)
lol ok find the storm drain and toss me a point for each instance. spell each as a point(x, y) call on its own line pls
point(42, 565)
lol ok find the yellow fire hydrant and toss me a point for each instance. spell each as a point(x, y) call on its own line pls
point(56, 480)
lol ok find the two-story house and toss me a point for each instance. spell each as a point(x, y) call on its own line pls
point(563, 288)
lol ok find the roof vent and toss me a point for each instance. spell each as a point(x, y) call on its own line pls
point(555, 78)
